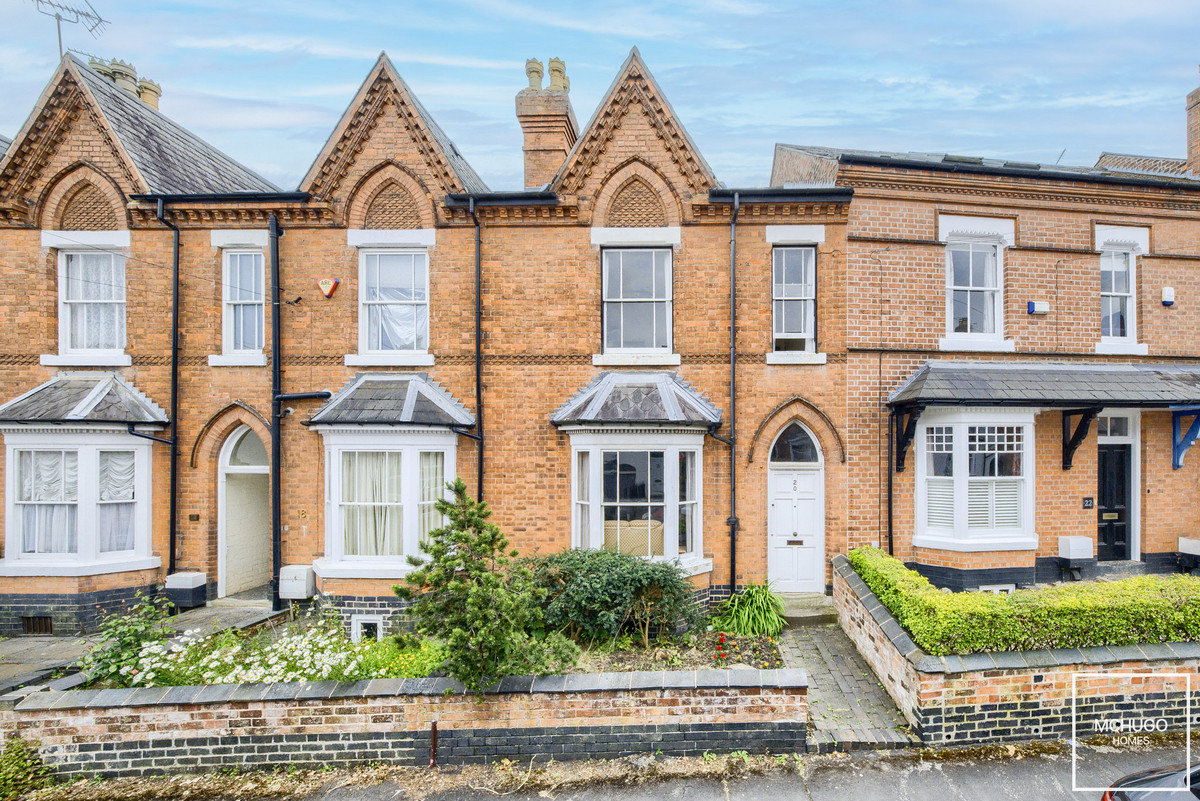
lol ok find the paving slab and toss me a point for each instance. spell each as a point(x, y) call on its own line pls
point(847, 707)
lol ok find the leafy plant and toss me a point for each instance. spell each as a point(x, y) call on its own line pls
point(123, 635)
point(754, 612)
point(21, 769)
point(594, 596)
point(470, 595)
point(1133, 610)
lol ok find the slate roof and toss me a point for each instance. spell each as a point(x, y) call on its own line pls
point(83, 398)
point(1050, 384)
point(4, 143)
point(807, 165)
point(393, 399)
point(1145, 165)
point(170, 159)
point(621, 398)
point(462, 168)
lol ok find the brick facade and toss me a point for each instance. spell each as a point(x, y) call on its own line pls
point(880, 301)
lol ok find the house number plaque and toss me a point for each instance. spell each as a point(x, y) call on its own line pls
point(1089, 503)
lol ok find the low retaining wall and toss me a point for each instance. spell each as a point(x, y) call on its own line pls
point(1014, 695)
point(256, 726)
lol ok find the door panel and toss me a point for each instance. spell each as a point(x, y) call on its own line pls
point(1112, 541)
point(247, 531)
point(796, 530)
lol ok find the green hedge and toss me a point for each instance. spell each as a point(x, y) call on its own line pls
point(1126, 612)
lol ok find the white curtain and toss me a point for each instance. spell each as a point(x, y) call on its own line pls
point(49, 490)
point(96, 300)
point(433, 473)
point(371, 503)
point(116, 500)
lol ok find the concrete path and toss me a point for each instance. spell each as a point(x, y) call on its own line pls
point(22, 655)
point(848, 709)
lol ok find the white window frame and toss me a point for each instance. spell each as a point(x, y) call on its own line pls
point(639, 355)
point(1128, 344)
point(810, 339)
point(88, 559)
point(409, 442)
point(231, 356)
point(368, 357)
point(91, 357)
point(960, 537)
point(957, 340)
point(671, 443)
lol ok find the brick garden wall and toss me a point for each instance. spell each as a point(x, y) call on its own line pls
point(607, 715)
point(1012, 695)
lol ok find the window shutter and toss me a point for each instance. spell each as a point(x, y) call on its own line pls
point(979, 502)
point(939, 509)
point(1008, 504)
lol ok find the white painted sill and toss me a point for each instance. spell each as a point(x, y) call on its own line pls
point(974, 544)
point(993, 345)
point(237, 360)
point(1122, 348)
point(414, 359)
point(636, 360)
point(19, 567)
point(86, 359)
point(692, 566)
point(795, 357)
point(328, 568)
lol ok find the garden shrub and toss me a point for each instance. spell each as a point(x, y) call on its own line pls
point(123, 635)
point(594, 595)
point(21, 769)
point(470, 595)
point(1133, 610)
point(754, 612)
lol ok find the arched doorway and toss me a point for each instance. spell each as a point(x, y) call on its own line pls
point(244, 515)
point(796, 512)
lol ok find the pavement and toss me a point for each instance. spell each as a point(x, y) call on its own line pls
point(848, 708)
point(864, 776)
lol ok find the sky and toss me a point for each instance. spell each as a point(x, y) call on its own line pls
point(1030, 80)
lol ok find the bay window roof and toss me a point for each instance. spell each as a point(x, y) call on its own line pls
point(88, 397)
point(393, 399)
point(616, 398)
point(1057, 384)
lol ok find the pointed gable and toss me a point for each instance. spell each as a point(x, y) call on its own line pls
point(385, 93)
point(635, 101)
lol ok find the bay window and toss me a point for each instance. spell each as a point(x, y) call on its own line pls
point(639, 495)
point(381, 488)
point(77, 503)
point(975, 480)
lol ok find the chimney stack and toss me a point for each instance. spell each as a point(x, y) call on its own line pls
point(547, 120)
point(1193, 131)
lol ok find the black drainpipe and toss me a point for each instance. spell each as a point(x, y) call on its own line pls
point(273, 234)
point(733, 518)
point(891, 444)
point(173, 503)
point(478, 348)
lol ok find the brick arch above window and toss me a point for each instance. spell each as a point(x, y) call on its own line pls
point(635, 195)
point(390, 197)
point(81, 198)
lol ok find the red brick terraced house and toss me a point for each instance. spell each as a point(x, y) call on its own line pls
point(218, 384)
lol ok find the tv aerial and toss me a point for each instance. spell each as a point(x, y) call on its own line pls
point(73, 12)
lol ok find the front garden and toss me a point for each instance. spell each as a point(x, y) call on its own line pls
point(477, 613)
point(1142, 609)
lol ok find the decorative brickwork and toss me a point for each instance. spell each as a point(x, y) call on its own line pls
point(312, 724)
point(636, 206)
point(88, 210)
point(393, 207)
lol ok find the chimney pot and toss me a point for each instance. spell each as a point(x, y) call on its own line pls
point(124, 75)
point(533, 70)
point(558, 74)
point(1193, 130)
point(149, 92)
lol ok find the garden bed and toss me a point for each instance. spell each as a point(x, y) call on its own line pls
point(711, 650)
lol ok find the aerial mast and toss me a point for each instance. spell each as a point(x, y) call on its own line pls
point(73, 12)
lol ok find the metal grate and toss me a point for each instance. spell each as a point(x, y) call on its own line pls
point(37, 624)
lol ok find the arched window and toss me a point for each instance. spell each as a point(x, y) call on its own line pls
point(795, 444)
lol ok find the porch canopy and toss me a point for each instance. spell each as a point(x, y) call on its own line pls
point(1081, 390)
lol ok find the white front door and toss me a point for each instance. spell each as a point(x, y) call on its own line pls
point(796, 529)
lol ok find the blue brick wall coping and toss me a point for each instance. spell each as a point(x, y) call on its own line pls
point(1002, 660)
point(319, 690)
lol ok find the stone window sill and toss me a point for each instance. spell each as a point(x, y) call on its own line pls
point(391, 569)
point(86, 359)
point(636, 360)
point(965, 343)
point(28, 567)
point(795, 357)
point(237, 360)
point(414, 359)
